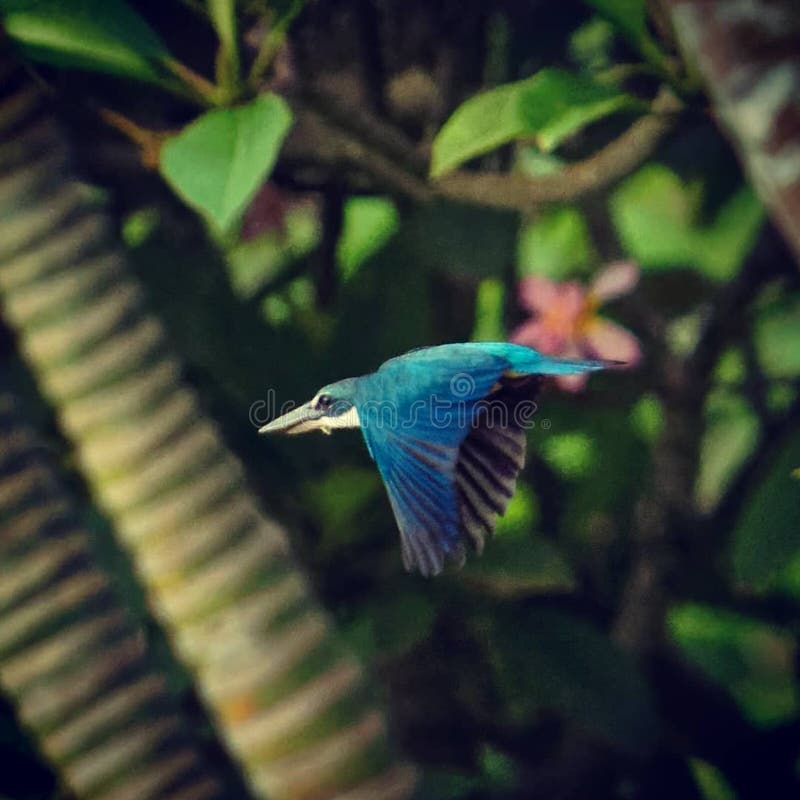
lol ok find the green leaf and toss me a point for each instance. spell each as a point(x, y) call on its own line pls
point(549, 106)
point(753, 660)
point(217, 163)
point(777, 333)
point(731, 434)
point(489, 306)
point(101, 35)
point(555, 245)
point(552, 660)
point(369, 222)
point(710, 781)
point(572, 454)
point(767, 535)
point(657, 218)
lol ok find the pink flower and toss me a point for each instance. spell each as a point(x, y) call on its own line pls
point(565, 321)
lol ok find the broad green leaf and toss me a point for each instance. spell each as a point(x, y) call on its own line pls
point(767, 535)
point(368, 224)
point(556, 244)
point(551, 660)
point(753, 660)
point(101, 35)
point(658, 219)
point(654, 213)
point(777, 338)
point(549, 106)
point(217, 163)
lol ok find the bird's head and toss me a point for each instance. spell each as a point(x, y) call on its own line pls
point(333, 406)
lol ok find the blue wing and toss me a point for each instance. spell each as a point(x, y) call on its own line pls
point(419, 481)
point(416, 449)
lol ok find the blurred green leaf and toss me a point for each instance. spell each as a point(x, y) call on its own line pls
point(777, 334)
point(657, 218)
point(647, 418)
point(732, 430)
point(489, 302)
point(550, 660)
point(710, 781)
point(555, 244)
point(140, 225)
point(754, 661)
point(571, 454)
point(369, 222)
point(767, 534)
point(725, 244)
point(217, 163)
point(629, 16)
point(731, 368)
point(590, 44)
point(549, 106)
point(101, 35)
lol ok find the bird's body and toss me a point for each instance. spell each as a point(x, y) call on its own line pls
point(446, 427)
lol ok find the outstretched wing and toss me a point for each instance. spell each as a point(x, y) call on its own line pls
point(419, 481)
point(491, 456)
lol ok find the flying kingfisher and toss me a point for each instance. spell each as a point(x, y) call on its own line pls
point(446, 427)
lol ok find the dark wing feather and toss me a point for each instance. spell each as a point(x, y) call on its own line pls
point(490, 459)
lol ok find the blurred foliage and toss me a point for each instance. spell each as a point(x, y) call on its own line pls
point(300, 272)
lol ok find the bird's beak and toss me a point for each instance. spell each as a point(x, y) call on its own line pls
point(299, 420)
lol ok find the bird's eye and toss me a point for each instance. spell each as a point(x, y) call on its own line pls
point(324, 401)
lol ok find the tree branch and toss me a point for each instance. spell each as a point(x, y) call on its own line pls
point(378, 155)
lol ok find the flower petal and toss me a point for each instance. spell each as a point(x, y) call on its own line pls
point(537, 293)
point(608, 340)
point(537, 335)
point(617, 279)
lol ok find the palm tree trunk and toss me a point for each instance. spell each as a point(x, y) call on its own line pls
point(70, 658)
point(291, 704)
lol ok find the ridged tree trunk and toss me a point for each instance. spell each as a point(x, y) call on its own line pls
point(290, 703)
point(71, 659)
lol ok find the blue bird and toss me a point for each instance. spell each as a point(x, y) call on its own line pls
point(446, 427)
